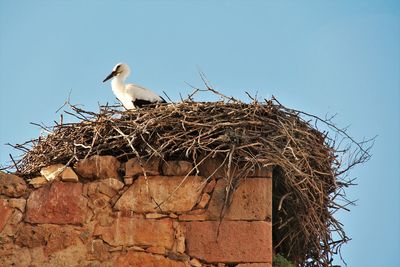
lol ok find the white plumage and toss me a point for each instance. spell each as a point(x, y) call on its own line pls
point(130, 95)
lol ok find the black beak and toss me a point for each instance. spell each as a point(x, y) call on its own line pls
point(112, 74)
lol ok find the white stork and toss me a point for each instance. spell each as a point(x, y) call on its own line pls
point(131, 95)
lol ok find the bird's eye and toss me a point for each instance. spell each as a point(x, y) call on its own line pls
point(117, 67)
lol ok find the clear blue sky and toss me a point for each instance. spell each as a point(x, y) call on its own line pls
point(318, 56)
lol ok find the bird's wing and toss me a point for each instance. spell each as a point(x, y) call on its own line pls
point(142, 93)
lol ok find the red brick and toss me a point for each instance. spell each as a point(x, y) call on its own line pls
point(126, 231)
point(177, 168)
point(252, 200)
point(11, 185)
point(137, 198)
point(59, 203)
point(238, 241)
point(141, 259)
point(98, 167)
point(5, 213)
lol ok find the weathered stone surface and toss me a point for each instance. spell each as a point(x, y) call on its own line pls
point(11, 185)
point(252, 200)
point(137, 198)
point(126, 231)
point(52, 237)
point(145, 260)
point(106, 190)
point(179, 242)
point(210, 186)
point(5, 213)
point(113, 183)
point(213, 167)
point(156, 250)
point(98, 167)
point(59, 203)
point(18, 203)
point(68, 175)
point(260, 264)
point(155, 215)
point(99, 250)
point(238, 241)
point(195, 262)
point(11, 255)
point(52, 172)
point(203, 201)
point(177, 168)
point(151, 166)
point(38, 181)
point(12, 224)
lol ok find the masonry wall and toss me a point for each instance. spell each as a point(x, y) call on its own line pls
point(104, 213)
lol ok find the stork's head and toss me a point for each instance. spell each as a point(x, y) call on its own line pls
point(120, 70)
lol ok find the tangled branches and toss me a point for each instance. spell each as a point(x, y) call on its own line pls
point(309, 170)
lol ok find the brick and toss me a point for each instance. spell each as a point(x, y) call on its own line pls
point(38, 181)
point(252, 200)
point(18, 203)
point(68, 175)
point(11, 185)
point(213, 167)
point(151, 166)
point(203, 201)
point(113, 183)
point(52, 172)
point(98, 167)
point(59, 203)
point(133, 258)
point(136, 231)
point(237, 242)
point(177, 168)
point(137, 198)
point(6, 212)
point(210, 186)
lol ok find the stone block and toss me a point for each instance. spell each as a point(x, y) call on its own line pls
point(252, 200)
point(237, 242)
point(58, 203)
point(18, 203)
point(213, 167)
point(203, 201)
point(177, 168)
point(68, 175)
point(137, 231)
point(138, 199)
point(38, 181)
point(11, 185)
point(98, 167)
point(142, 259)
point(52, 172)
point(5, 211)
point(151, 166)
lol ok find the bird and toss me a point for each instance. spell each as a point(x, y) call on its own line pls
point(132, 96)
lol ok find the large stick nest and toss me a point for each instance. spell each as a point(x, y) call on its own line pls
point(308, 173)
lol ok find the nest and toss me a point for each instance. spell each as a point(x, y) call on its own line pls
point(308, 168)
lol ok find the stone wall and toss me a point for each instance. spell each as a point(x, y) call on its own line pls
point(103, 213)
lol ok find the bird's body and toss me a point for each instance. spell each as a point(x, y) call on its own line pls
point(131, 95)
